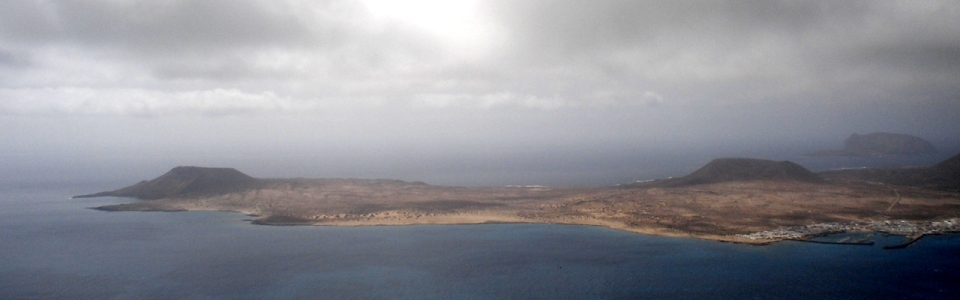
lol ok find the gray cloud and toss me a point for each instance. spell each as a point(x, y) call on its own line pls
point(162, 25)
point(783, 46)
point(582, 52)
point(501, 77)
point(14, 60)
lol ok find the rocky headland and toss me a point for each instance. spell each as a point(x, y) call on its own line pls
point(880, 144)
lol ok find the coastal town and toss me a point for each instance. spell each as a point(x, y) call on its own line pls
point(912, 230)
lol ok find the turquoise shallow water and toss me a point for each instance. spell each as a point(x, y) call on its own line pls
point(54, 248)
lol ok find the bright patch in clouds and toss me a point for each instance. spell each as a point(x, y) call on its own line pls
point(434, 15)
point(455, 22)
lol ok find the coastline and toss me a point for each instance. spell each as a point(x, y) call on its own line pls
point(457, 219)
point(909, 239)
point(911, 231)
point(754, 213)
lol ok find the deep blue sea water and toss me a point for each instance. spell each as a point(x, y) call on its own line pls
point(52, 247)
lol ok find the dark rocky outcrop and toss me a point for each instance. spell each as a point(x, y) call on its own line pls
point(186, 182)
point(743, 169)
point(280, 220)
point(880, 143)
point(942, 176)
point(951, 165)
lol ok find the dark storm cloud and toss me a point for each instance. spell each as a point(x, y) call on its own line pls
point(224, 40)
point(577, 25)
point(934, 58)
point(157, 26)
point(784, 43)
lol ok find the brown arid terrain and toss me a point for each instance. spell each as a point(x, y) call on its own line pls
point(734, 200)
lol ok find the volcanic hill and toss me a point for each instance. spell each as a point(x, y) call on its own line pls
point(186, 182)
point(743, 169)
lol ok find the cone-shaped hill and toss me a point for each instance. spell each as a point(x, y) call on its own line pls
point(186, 182)
point(744, 169)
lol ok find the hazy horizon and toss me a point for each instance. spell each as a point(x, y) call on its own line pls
point(462, 93)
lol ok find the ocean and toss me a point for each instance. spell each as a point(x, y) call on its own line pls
point(52, 247)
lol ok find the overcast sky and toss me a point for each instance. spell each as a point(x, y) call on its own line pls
point(425, 90)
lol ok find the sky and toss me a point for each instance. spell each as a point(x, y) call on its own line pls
point(462, 92)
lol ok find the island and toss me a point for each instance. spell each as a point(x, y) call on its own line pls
point(880, 144)
point(738, 200)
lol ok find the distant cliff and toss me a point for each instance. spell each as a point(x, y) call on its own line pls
point(942, 176)
point(880, 143)
point(743, 169)
point(186, 182)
